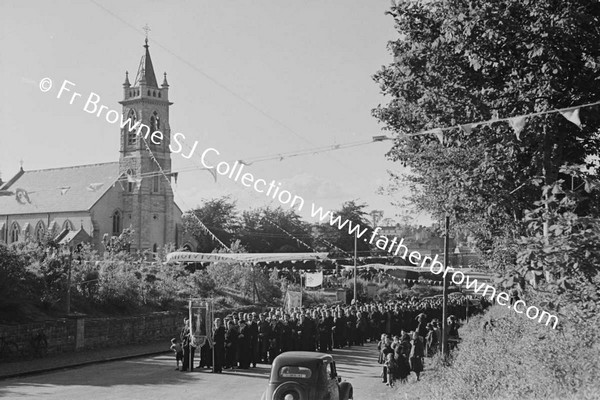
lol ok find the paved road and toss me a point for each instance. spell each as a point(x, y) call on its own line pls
point(155, 378)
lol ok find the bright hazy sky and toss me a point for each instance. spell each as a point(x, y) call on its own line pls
point(305, 67)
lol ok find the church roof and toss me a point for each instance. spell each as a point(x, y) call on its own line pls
point(73, 237)
point(145, 72)
point(59, 189)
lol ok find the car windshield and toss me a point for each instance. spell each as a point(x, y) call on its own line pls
point(294, 372)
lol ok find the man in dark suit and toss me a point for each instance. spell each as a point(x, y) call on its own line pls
point(244, 350)
point(231, 339)
point(306, 334)
point(339, 335)
point(219, 345)
point(325, 328)
point(188, 349)
point(253, 329)
point(264, 334)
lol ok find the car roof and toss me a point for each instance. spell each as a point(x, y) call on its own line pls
point(306, 358)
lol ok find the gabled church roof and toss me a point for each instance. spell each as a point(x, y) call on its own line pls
point(59, 189)
point(145, 72)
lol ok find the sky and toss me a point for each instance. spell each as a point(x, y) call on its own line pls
point(250, 79)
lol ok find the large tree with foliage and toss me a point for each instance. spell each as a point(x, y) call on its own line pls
point(220, 216)
point(272, 230)
point(328, 235)
point(462, 61)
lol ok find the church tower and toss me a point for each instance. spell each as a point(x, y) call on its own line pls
point(147, 201)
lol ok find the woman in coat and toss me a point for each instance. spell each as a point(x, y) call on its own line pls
point(416, 355)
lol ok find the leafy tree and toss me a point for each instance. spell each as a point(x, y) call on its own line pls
point(462, 61)
point(13, 275)
point(342, 240)
point(244, 278)
point(563, 265)
point(219, 216)
point(264, 231)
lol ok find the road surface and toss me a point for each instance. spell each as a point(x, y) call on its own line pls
point(156, 378)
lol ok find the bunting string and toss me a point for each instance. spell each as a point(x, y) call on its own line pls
point(516, 122)
point(204, 227)
point(289, 234)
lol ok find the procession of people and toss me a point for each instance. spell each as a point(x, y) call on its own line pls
point(242, 340)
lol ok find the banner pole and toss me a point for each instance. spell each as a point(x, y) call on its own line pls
point(301, 290)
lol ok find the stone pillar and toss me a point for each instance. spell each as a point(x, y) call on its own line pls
point(79, 333)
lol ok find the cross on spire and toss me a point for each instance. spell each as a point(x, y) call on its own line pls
point(146, 29)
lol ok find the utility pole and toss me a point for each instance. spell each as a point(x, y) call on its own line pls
point(355, 268)
point(445, 290)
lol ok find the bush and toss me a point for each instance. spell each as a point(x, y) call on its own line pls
point(513, 357)
point(15, 281)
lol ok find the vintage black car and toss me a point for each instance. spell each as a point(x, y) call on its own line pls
point(304, 375)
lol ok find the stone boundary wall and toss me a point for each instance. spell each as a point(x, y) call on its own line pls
point(81, 333)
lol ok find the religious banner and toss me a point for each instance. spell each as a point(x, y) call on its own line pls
point(293, 300)
point(200, 322)
point(314, 279)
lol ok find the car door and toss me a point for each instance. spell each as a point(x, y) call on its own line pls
point(332, 382)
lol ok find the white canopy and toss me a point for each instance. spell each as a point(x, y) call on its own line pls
point(384, 267)
point(182, 256)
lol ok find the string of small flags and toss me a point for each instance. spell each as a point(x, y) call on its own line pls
point(408, 280)
point(289, 234)
point(517, 123)
point(334, 246)
point(204, 227)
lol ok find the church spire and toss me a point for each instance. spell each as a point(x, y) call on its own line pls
point(145, 74)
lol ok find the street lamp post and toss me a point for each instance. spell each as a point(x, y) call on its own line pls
point(67, 253)
point(355, 268)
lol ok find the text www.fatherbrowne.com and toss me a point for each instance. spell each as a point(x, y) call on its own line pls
point(273, 190)
point(436, 267)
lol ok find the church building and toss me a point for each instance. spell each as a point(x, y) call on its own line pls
point(87, 202)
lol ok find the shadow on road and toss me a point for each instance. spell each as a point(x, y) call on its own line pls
point(157, 370)
point(355, 359)
point(158, 373)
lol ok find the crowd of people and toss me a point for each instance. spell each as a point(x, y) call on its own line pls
point(243, 340)
point(401, 354)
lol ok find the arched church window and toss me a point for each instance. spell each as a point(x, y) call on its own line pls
point(154, 122)
point(154, 248)
point(131, 136)
point(67, 225)
point(40, 231)
point(14, 232)
point(130, 182)
point(116, 223)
